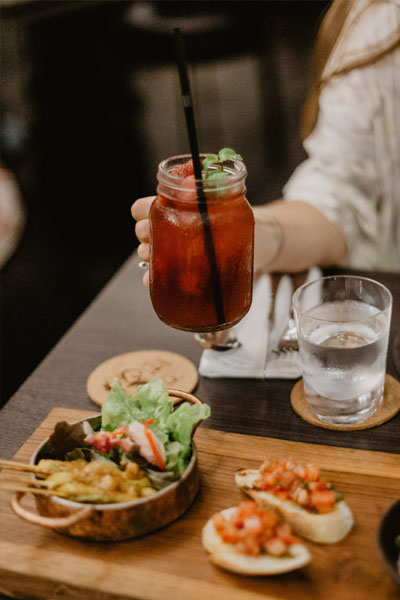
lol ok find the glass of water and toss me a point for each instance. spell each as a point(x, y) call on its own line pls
point(343, 327)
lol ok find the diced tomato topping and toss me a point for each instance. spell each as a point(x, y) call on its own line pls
point(269, 520)
point(284, 532)
point(250, 544)
point(287, 478)
point(268, 480)
point(299, 471)
point(288, 464)
point(269, 466)
point(267, 534)
point(275, 546)
point(101, 441)
point(104, 440)
point(248, 508)
point(229, 533)
point(311, 472)
point(302, 484)
point(323, 500)
point(251, 529)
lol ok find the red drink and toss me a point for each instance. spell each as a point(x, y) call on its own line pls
point(188, 290)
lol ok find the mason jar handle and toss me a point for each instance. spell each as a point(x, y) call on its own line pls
point(52, 522)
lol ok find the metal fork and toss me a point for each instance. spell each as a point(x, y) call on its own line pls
point(288, 340)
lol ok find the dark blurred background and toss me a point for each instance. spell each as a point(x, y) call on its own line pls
point(90, 104)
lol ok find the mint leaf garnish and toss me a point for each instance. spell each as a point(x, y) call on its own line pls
point(228, 154)
point(212, 157)
point(216, 162)
point(207, 162)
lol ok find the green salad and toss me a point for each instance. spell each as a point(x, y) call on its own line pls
point(145, 429)
point(170, 429)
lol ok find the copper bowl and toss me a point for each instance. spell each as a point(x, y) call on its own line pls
point(116, 521)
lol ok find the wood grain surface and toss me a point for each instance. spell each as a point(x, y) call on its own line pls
point(121, 319)
point(171, 563)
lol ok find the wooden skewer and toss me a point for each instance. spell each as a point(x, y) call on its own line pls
point(16, 466)
point(9, 485)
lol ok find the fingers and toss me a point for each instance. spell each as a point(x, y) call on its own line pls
point(140, 208)
point(142, 230)
point(144, 252)
point(140, 212)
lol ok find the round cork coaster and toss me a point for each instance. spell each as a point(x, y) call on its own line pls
point(389, 407)
point(137, 368)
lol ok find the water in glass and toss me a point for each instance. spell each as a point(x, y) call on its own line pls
point(344, 356)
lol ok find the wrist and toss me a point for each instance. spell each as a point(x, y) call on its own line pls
point(268, 239)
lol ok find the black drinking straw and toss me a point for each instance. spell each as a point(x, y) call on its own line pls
point(194, 149)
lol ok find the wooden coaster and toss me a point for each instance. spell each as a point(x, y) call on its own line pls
point(389, 407)
point(137, 368)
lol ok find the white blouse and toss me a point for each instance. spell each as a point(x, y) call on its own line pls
point(352, 173)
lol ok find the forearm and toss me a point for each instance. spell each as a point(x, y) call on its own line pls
point(293, 236)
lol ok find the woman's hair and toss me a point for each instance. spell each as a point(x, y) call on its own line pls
point(328, 34)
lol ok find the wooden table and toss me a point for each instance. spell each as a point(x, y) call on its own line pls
point(121, 320)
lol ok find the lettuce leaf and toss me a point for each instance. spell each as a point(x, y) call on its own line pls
point(180, 422)
point(173, 428)
point(178, 456)
point(150, 402)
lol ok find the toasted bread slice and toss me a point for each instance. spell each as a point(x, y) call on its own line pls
point(228, 557)
point(327, 528)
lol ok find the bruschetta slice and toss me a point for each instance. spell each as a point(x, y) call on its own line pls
point(312, 507)
point(250, 540)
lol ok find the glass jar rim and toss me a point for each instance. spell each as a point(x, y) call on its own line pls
point(167, 177)
point(300, 311)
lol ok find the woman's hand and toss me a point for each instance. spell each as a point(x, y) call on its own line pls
point(140, 212)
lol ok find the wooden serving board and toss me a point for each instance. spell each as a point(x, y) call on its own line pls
point(171, 563)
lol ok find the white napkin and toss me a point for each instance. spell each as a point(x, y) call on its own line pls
point(254, 358)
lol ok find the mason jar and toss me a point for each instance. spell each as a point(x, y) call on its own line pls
point(201, 247)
